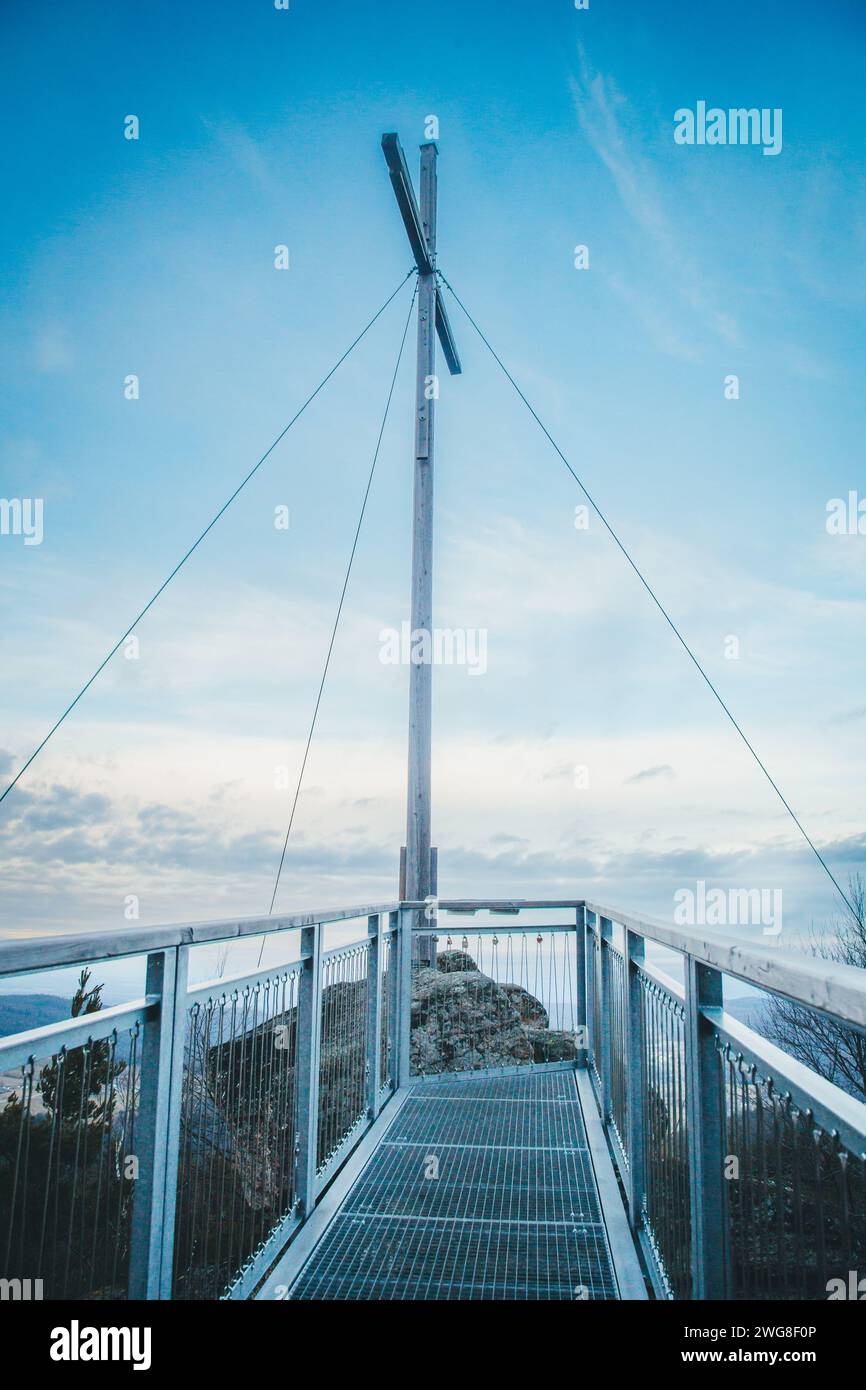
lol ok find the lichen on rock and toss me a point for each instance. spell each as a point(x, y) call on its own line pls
point(463, 1020)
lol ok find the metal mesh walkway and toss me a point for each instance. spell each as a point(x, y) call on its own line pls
point(481, 1189)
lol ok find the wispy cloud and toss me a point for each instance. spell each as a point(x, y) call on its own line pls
point(647, 774)
point(52, 349)
point(604, 116)
point(849, 716)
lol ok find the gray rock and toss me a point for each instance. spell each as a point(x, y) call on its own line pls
point(530, 1009)
point(450, 960)
point(461, 1020)
point(551, 1045)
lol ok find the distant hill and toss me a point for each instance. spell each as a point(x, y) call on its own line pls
point(20, 1012)
point(752, 1012)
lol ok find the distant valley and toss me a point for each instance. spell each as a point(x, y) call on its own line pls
point(20, 1012)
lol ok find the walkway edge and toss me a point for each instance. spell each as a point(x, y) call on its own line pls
point(625, 1261)
point(288, 1267)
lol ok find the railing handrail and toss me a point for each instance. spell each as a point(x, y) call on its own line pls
point(49, 1038)
point(834, 1109)
point(834, 989)
point(831, 988)
point(499, 904)
point(22, 955)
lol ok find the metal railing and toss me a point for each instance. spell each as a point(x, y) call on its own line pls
point(743, 1169)
point(171, 1146)
point(493, 998)
point(343, 1091)
point(238, 1121)
point(67, 1134)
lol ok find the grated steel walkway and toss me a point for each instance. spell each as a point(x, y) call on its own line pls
point(481, 1189)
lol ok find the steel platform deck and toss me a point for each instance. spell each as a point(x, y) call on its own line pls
point(483, 1188)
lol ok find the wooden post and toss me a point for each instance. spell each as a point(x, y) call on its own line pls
point(420, 223)
point(402, 877)
point(421, 672)
point(424, 946)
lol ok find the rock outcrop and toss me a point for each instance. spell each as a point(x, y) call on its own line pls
point(463, 1020)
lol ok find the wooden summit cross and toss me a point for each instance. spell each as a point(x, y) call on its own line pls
point(420, 224)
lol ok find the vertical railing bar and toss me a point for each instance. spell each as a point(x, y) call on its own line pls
point(589, 948)
point(338, 1049)
point(394, 996)
point(706, 1142)
point(582, 986)
point(375, 961)
point(635, 1138)
point(404, 1011)
point(170, 1117)
point(605, 932)
point(158, 1131)
point(309, 1055)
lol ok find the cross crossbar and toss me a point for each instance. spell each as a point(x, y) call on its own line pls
point(408, 205)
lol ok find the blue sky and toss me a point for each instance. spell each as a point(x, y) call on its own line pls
point(155, 257)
